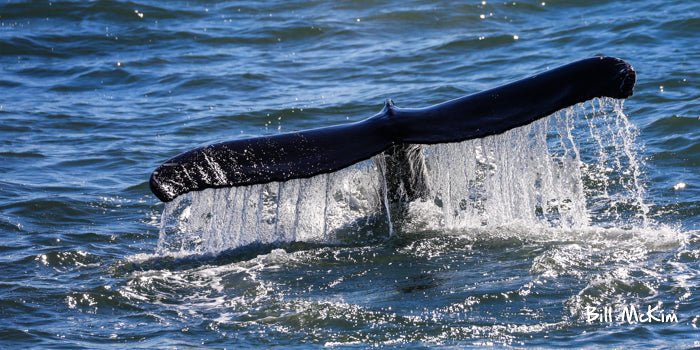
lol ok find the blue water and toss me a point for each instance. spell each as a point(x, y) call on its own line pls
point(94, 95)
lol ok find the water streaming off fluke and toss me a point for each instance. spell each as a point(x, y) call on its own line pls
point(576, 168)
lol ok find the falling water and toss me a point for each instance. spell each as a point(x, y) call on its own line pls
point(296, 210)
point(576, 168)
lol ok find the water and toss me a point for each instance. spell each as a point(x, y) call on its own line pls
point(96, 94)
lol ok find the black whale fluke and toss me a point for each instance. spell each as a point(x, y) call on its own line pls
point(307, 153)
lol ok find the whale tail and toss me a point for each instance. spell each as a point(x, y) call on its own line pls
point(307, 153)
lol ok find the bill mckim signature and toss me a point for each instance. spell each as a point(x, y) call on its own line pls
point(629, 314)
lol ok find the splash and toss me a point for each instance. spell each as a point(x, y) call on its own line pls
point(574, 169)
point(306, 210)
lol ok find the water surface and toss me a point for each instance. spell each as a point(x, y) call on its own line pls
point(95, 95)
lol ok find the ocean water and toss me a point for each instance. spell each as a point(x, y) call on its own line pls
point(550, 235)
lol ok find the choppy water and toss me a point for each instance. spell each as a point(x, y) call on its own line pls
point(526, 233)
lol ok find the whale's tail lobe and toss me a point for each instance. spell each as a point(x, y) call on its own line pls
point(311, 152)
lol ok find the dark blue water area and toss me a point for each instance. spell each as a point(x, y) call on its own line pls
point(94, 95)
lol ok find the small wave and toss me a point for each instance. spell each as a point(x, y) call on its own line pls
point(114, 76)
point(671, 125)
point(56, 209)
point(9, 83)
point(67, 259)
point(683, 152)
point(25, 46)
point(22, 155)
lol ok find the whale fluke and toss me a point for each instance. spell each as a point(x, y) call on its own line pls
point(311, 152)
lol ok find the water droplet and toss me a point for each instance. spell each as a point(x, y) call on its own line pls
point(679, 186)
